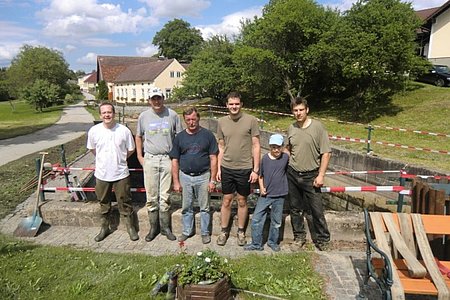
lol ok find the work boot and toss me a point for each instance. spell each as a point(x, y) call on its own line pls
point(153, 219)
point(130, 228)
point(164, 219)
point(104, 230)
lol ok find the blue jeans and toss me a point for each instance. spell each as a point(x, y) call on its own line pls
point(195, 188)
point(259, 218)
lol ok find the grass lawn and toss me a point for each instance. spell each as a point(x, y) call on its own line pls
point(24, 119)
point(32, 271)
point(422, 107)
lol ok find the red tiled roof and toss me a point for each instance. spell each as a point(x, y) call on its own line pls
point(429, 13)
point(92, 78)
point(110, 67)
point(143, 72)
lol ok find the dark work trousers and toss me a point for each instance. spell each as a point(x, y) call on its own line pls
point(306, 201)
point(103, 191)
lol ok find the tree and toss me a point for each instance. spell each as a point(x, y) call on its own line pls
point(102, 93)
point(4, 94)
point(371, 51)
point(178, 40)
point(274, 54)
point(41, 94)
point(34, 63)
point(212, 72)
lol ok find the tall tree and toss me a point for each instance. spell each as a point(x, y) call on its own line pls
point(41, 93)
point(178, 40)
point(274, 54)
point(34, 63)
point(371, 50)
point(212, 72)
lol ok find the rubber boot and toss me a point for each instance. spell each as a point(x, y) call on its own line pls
point(164, 219)
point(130, 228)
point(153, 219)
point(104, 230)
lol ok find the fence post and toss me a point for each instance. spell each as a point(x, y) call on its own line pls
point(400, 195)
point(369, 136)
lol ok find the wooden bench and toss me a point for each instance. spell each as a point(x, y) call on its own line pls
point(399, 256)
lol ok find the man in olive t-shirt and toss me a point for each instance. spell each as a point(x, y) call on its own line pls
point(238, 163)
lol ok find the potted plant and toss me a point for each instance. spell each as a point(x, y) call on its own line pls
point(205, 274)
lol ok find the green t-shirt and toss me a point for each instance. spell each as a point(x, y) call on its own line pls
point(237, 136)
point(307, 145)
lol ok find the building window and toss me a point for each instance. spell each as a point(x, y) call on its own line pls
point(178, 74)
point(172, 74)
point(134, 93)
point(168, 93)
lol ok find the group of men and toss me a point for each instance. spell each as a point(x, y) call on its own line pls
point(192, 162)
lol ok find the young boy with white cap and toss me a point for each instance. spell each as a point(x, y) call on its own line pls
point(273, 188)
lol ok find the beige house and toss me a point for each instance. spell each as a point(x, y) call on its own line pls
point(130, 79)
point(434, 35)
point(88, 83)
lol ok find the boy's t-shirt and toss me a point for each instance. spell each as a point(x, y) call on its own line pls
point(274, 175)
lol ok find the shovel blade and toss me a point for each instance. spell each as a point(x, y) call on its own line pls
point(28, 227)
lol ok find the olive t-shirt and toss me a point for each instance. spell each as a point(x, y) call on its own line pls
point(237, 136)
point(307, 145)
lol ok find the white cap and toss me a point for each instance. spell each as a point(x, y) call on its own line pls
point(156, 92)
point(276, 139)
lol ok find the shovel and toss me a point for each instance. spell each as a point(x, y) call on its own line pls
point(29, 226)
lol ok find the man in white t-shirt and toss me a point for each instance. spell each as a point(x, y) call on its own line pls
point(112, 144)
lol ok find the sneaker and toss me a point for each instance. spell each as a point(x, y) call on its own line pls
point(206, 239)
point(325, 246)
point(252, 247)
point(182, 238)
point(222, 239)
point(241, 238)
point(275, 247)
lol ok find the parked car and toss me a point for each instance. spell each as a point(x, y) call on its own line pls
point(439, 75)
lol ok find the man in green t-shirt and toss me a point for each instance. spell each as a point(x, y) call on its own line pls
point(310, 153)
point(238, 163)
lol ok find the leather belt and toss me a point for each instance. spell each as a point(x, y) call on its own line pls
point(304, 172)
point(193, 174)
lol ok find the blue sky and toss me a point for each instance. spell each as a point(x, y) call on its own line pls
point(83, 29)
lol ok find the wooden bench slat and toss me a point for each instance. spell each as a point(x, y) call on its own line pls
point(427, 255)
point(377, 221)
point(415, 269)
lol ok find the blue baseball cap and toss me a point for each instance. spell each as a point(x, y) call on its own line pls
point(276, 139)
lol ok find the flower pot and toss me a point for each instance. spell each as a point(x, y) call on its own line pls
point(219, 290)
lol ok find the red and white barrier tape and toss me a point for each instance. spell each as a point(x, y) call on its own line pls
point(335, 137)
point(334, 189)
point(361, 172)
point(342, 122)
point(62, 169)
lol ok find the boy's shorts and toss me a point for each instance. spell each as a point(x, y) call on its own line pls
point(235, 181)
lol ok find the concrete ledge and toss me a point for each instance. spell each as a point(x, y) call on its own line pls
point(346, 226)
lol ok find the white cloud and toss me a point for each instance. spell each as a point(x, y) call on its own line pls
point(101, 42)
point(89, 59)
point(70, 48)
point(146, 49)
point(12, 31)
point(176, 8)
point(231, 24)
point(87, 17)
point(8, 50)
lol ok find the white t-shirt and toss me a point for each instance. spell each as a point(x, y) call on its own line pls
point(111, 146)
